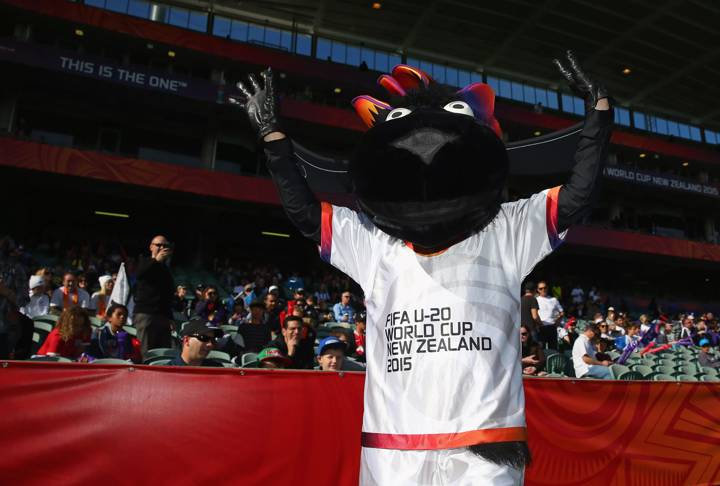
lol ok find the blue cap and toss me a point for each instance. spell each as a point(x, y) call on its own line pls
point(330, 342)
point(704, 342)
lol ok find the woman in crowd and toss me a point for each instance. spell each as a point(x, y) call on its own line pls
point(110, 341)
point(210, 308)
point(100, 299)
point(533, 358)
point(71, 336)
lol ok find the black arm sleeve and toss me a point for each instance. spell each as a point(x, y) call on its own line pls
point(578, 194)
point(299, 202)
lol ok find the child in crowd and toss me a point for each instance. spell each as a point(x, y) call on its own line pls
point(110, 341)
point(71, 336)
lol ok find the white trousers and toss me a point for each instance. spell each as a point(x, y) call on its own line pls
point(451, 467)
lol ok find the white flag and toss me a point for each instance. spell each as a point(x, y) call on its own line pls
point(121, 290)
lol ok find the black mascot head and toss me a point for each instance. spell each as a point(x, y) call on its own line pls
point(432, 167)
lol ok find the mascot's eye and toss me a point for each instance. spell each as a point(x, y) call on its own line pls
point(459, 107)
point(398, 113)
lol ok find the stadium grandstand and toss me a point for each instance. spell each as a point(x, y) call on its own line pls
point(116, 126)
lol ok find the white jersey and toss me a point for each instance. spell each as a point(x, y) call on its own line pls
point(442, 345)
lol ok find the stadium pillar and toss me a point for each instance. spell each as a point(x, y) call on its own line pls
point(711, 233)
point(8, 113)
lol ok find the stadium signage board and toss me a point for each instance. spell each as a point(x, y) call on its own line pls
point(103, 69)
point(663, 181)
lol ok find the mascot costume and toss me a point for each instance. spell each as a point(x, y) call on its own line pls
point(440, 258)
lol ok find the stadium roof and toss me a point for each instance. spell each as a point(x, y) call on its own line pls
point(671, 47)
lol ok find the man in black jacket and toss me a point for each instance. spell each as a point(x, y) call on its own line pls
point(154, 292)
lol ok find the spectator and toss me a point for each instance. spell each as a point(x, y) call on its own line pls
point(578, 296)
point(311, 309)
point(666, 334)
point(604, 331)
point(272, 312)
point(47, 276)
point(550, 312)
point(154, 292)
point(69, 295)
point(688, 328)
point(343, 311)
point(645, 323)
point(295, 282)
point(100, 300)
point(359, 335)
point(110, 341)
point(583, 356)
point(39, 304)
point(529, 316)
point(82, 281)
point(248, 294)
point(705, 359)
point(272, 358)
point(71, 336)
point(198, 339)
point(238, 314)
point(533, 358)
point(611, 316)
point(180, 302)
point(322, 294)
point(290, 344)
point(616, 327)
point(255, 331)
point(567, 335)
point(210, 308)
point(331, 354)
point(630, 336)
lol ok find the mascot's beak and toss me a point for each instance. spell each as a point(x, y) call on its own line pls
point(425, 142)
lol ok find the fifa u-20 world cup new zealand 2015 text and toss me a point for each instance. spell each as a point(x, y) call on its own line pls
point(424, 331)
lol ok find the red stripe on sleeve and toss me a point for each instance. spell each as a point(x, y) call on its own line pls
point(326, 231)
point(551, 216)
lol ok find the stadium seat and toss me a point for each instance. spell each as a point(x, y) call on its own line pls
point(710, 371)
point(43, 326)
point(630, 375)
point(164, 352)
point(51, 318)
point(618, 369)
point(665, 369)
point(130, 330)
point(555, 363)
point(227, 329)
point(111, 361)
point(614, 354)
point(686, 378)
point(158, 354)
point(38, 338)
point(709, 378)
point(663, 377)
point(350, 364)
point(248, 358)
point(160, 362)
point(686, 369)
point(58, 359)
point(221, 356)
point(643, 370)
point(96, 321)
point(227, 364)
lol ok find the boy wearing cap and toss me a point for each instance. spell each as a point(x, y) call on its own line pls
point(198, 339)
point(331, 354)
point(273, 358)
point(705, 359)
point(39, 304)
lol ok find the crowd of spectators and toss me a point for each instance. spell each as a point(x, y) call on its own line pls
point(255, 309)
point(608, 336)
point(288, 320)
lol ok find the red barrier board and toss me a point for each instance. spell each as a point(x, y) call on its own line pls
point(104, 424)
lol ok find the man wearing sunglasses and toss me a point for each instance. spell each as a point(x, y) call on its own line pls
point(198, 339)
point(154, 296)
